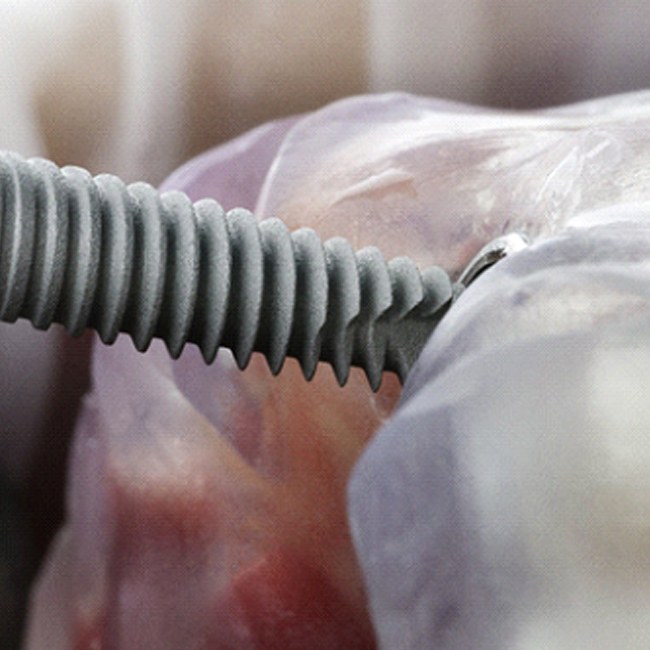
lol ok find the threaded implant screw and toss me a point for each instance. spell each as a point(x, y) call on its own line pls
point(95, 253)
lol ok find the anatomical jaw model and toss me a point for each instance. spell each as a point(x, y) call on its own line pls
point(208, 507)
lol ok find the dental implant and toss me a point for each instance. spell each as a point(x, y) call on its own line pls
point(92, 252)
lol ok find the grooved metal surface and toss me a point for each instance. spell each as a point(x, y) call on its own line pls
point(93, 252)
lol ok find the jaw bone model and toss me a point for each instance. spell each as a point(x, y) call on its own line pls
point(501, 505)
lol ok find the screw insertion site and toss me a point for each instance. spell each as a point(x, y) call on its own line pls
point(92, 252)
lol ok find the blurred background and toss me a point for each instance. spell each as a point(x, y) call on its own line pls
point(136, 87)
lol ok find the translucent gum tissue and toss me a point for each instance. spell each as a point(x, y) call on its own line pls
point(207, 507)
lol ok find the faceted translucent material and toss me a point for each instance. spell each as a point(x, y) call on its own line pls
point(436, 180)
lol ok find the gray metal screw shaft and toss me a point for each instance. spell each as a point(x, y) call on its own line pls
point(92, 252)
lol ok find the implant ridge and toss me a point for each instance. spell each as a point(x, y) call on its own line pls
point(95, 253)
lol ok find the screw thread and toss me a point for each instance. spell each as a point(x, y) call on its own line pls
point(94, 252)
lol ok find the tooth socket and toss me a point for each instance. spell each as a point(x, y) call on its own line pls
point(94, 253)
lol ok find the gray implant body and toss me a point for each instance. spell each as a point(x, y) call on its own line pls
point(93, 253)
